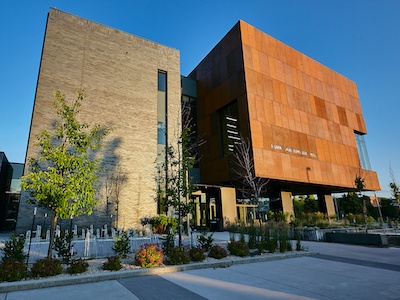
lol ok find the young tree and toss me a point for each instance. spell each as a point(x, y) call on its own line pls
point(359, 183)
point(243, 168)
point(350, 203)
point(394, 187)
point(310, 204)
point(178, 160)
point(118, 181)
point(62, 177)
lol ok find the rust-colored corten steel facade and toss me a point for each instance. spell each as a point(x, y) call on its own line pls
point(301, 116)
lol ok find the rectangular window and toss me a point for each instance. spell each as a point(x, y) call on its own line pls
point(162, 108)
point(161, 140)
point(230, 136)
point(362, 151)
point(162, 81)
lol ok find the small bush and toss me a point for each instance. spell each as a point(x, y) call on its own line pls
point(283, 242)
point(217, 252)
point(179, 256)
point(14, 249)
point(12, 270)
point(289, 246)
point(238, 248)
point(197, 254)
point(169, 243)
point(205, 241)
point(77, 266)
point(298, 242)
point(46, 267)
point(273, 243)
point(122, 244)
point(161, 223)
point(252, 232)
point(62, 245)
point(113, 263)
point(149, 256)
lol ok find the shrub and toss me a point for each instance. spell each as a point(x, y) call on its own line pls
point(12, 270)
point(46, 267)
point(122, 244)
point(62, 245)
point(273, 243)
point(205, 240)
point(77, 266)
point(298, 242)
point(265, 239)
point(161, 223)
point(217, 252)
point(113, 263)
point(169, 243)
point(149, 256)
point(14, 249)
point(252, 231)
point(289, 246)
point(197, 254)
point(179, 256)
point(283, 242)
point(238, 248)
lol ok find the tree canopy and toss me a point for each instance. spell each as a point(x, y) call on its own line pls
point(62, 176)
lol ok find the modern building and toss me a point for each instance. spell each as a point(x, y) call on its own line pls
point(304, 120)
point(132, 85)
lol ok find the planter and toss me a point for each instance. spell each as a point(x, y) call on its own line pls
point(357, 238)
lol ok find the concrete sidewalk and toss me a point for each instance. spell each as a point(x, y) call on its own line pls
point(337, 272)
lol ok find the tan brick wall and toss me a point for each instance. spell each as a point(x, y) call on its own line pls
point(118, 72)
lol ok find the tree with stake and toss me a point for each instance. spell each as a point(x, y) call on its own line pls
point(243, 168)
point(63, 175)
point(179, 159)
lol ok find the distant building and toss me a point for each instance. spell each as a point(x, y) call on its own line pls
point(10, 174)
point(303, 119)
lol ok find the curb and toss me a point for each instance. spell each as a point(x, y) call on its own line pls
point(32, 284)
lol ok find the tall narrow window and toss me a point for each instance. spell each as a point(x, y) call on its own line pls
point(362, 151)
point(162, 108)
point(162, 138)
point(229, 128)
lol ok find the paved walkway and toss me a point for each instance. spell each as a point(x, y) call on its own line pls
point(337, 272)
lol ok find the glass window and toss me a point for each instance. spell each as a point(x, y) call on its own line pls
point(161, 138)
point(229, 128)
point(162, 81)
point(362, 151)
point(162, 108)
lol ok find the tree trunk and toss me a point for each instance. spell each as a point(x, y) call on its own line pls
point(52, 236)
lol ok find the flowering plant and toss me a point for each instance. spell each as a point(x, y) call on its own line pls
point(149, 256)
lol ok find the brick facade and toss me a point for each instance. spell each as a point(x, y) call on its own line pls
point(118, 72)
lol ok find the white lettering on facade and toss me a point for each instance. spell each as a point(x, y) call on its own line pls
point(295, 151)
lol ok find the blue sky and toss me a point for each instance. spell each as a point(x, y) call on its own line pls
point(359, 39)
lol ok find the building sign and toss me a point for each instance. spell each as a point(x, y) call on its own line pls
point(293, 150)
